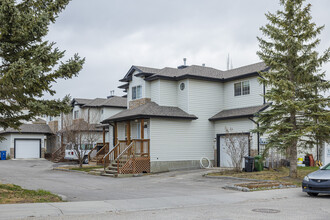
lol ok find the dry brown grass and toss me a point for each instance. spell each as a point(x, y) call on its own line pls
point(10, 194)
point(280, 174)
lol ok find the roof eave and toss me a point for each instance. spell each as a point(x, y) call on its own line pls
point(187, 76)
point(231, 117)
point(146, 117)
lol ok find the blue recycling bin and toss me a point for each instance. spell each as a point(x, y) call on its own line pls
point(3, 155)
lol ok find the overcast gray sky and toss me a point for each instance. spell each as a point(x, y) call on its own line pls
point(113, 35)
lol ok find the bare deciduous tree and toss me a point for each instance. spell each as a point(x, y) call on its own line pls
point(237, 148)
point(80, 136)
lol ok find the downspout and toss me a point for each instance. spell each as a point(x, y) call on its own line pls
point(264, 93)
point(258, 134)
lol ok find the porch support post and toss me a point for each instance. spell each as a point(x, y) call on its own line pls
point(128, 132)
point(142, 128)
point(115, 134)
point(103, 136)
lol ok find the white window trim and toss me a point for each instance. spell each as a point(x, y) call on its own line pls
point(136, 92)
point(241, 83)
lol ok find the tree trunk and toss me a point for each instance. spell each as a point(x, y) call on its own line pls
point(293, 160)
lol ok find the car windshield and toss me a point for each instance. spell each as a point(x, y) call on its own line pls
point(326, 167)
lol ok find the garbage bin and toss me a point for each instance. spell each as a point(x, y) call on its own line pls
point(249, 164)
point(3, 155)
point(258, 165)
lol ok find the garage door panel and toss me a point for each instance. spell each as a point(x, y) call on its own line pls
point(27, 149)
point(225, 158)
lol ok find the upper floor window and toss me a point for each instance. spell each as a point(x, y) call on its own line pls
point(75, 114)
point(242, 88)
point(136, 92)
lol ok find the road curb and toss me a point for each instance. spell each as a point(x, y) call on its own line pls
point(234, 178)
point(68, 170)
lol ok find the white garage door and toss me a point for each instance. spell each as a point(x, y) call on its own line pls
point(27, 148)
point(237, 141)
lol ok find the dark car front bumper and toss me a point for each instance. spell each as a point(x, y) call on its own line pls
point(316, 186)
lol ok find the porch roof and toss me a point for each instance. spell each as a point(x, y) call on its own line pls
point(150, 110)
point(239, 112)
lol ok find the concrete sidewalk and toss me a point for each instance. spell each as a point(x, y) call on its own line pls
point(65, 209)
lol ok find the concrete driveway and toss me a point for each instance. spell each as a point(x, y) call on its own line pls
point(39, 174)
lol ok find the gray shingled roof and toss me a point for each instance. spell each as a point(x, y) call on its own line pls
point(30, 129)
point(257, 67)
point(150, 110)
point(195, 71)
point(147, 69)
point(238, 112)
point(114, 101)
point(81, 101)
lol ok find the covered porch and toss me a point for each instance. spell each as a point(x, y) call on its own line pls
point(131, 151)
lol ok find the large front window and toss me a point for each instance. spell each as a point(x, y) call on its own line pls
point(136, 92)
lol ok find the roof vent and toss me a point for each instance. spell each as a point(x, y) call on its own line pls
point(184, 64)
point(203, 64)
point(112, 94)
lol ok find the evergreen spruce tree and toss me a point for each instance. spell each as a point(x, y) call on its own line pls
point(29, 64)
point(298, 116)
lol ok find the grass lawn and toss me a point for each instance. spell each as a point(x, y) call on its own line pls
point(86, 168)
point(10, 193)
point(280, 174)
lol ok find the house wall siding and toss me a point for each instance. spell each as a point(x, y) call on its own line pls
point(168, 93)
point(182, 95)
point(6, 143)
point(176, 140)
point(241, 125)
point(252, 99)
point(180, 140)
point(155, 91)
point(136, 81)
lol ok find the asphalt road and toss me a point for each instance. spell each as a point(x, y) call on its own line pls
point(172, 195)
point(39, 174)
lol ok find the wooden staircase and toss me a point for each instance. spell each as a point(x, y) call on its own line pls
point(98, 158)
point(131, 159)
point(58, 155)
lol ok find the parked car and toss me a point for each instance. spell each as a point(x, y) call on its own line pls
point(71, 153)
point(317, 182)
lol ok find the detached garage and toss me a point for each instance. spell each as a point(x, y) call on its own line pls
point(29, 142)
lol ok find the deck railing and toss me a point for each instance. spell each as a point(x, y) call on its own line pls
point(109, 156)
point(136, 157)
point(92, 154)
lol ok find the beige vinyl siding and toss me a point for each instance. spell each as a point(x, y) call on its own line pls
point(168, 93)
point(155, 91)
point(182, 95)
point(252, 99)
